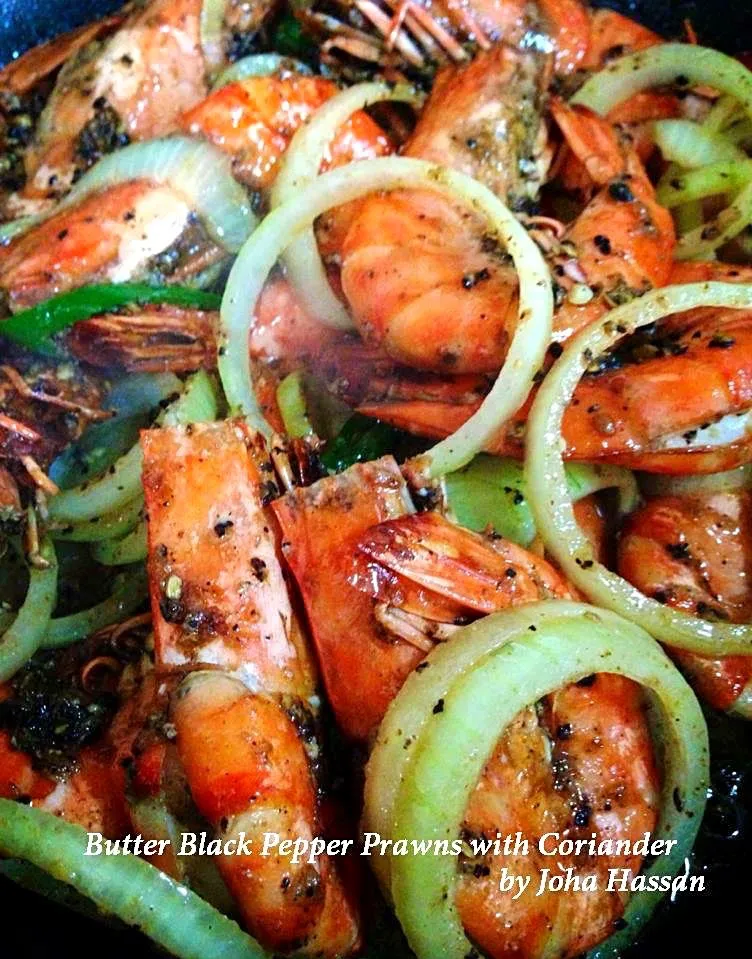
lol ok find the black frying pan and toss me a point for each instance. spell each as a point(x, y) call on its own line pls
point(714, 924)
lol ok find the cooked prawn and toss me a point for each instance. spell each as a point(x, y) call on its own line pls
point(425, 576)
point(424, 280)
point(115, 234)
point(22, 75)
point(583, 767)
point(421, 276)
point(250, 765)
point(246, 727)
point(162, 338)
point(133, 86)
point(412, 36)
point(42, 410)
point(254, 120)
point(680, 408)
point(693, 553)
point(25, 84)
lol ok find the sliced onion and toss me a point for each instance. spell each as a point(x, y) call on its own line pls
point(550, 499)
point(111, 526)
point(121, 552)
point(664, 64)
point(211, 32)
point(426, 762)
point(121, 484)
point(740, 132)
point(689, 65)
point(196, 169)
point(656, 484)
point(724, 111)
point(691, 145)
point(16, 227)
point(291, 402)
point(260, 65)
point(261, 251)
point(300, 166)
point(710, 180)
point(490, 491)
point(22, 638)
point(126, 887)
point(705, 239)
point(129, 593)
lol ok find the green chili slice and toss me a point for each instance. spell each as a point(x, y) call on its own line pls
point(34, 328)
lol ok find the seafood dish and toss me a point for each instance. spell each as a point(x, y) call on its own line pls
point(375, 479)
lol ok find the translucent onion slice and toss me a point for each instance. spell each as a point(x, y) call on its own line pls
point(291, 402)
point(127, 887)
point(708, 181)
point(300, 166)
point(128, 594)
point(121, 484)
point(551, 501)
point(691, 145)
point(198, 170)
point(16, 227)
point(656, 484)
point(687, 65)
point(259, 65)
point(490, 491)
point(261, 251)
point(706, 238)
point(120, 552)
point(667, 63)
point(111, 526)
point(724, 111)
point(23, 636)
point(211, 31)
point(426, 763)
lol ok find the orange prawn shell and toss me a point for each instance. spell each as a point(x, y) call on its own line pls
point(320, 527)
point(254, 120)
point(249, 773)
point(693, 553)
point(218, 590)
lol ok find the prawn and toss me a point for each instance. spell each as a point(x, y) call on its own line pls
point(693, 553)
point(132, 230)
point(132, 86)
point(244, 709)
point(410, 37)
point(254, 120)
point(25, 85)
point(456, 312)
point(677, 403)
point(163, 338)
point(381, 585)
point(421, 276)
point(42, 409)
